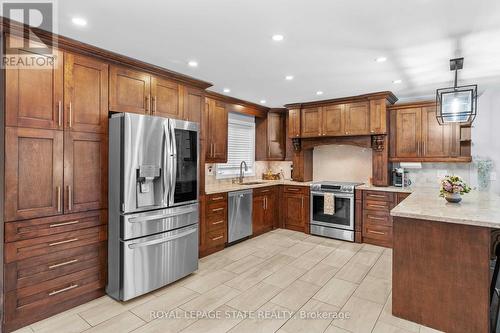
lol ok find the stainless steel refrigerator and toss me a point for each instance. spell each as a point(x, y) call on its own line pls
point(153, 203)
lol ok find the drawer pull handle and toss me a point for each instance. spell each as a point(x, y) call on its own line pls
point(63, 263)
point(218, 222)
point(376, 218)
point(293, 189)
point(55, 292)
point(376, 195)
point(263, 191)
point(217, 209)
point(64, 242)
point(63, 223)
point(217, 238)
point(377, 232)
point(217, 198)
point(379, 206)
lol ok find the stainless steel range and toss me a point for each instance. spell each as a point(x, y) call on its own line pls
point(153, 203)
point(332, 209)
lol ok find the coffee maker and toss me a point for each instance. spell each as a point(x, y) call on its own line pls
point(400, 177)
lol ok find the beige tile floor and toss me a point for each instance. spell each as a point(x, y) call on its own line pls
point(266, 284)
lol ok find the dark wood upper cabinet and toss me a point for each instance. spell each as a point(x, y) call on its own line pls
point(85, 171)
point(294, 123)
point(417, 136)
point(378, 116)
point(165, 98)
point(311, 122)
point(270, 137)
point(216, 136)
point(129, 91)
point(33, 173)
point(33, 98)
point(85, 94)
point(407, 132)
point(194, 101)
point(332, 120)
point(357, 118)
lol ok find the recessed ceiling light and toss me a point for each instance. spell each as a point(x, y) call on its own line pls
point(278, 38)
point(319, 92)
point(262, 101)
point(227, 90)
point(193, 63)
point(79, 21)
point(381, 59)
point(289, 77)
point(397, 81)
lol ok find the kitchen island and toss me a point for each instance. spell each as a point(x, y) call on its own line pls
point(441, 255)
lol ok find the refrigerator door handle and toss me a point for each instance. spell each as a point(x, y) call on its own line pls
point(166, 173)
point(162, 240)
point(162, 216)
point(173, 161)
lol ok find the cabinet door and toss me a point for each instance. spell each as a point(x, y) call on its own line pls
point(378, 116)
point(437, 140)
point(193, 104)
point(165, 98)
point(85, 94)
point(357, 118)
point(275, 136)
point(294, 123)
point(272, 213)
point(258, 214)
point(294, 207)
point(33, 173)
point(217, 123)
point(85, 171)
point(129, 91)
point(407, 132)
point(311, 122)
point(34, 97)
point(333, 120)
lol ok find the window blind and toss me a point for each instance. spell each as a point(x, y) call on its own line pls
point(240, 146)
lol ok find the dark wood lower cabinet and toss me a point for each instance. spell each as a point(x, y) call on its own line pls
point(296, 208)
point(264, 211)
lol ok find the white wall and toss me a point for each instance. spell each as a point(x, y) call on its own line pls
point(342, 163)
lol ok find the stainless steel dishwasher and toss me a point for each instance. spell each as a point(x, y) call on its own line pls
point(240, 215)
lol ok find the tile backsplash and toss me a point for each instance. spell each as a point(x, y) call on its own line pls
point(431, 173)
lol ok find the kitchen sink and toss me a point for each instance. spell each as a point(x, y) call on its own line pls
point(250, 183)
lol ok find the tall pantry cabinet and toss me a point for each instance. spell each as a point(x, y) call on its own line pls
point(56, 122)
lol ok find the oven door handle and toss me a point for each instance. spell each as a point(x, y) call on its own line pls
point(343, 196)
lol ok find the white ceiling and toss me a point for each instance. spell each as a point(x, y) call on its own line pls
point(329, 45)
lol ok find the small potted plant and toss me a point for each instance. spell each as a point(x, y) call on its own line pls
point(452, 187)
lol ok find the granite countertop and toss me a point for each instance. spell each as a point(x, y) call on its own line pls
point(385, 189)
point(476, 208)
point(228, 187)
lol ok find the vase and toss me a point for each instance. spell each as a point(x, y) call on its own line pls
point(453, 197)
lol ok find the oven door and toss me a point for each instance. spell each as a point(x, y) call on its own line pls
point(343, 218)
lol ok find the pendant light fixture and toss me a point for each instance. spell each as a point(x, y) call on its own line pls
point(457, 104)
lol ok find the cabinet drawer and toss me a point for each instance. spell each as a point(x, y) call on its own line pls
point(296, 189)
point(264, 190)
point(214, 223)
point(25, 273)
point(217, 210)
point(382, 206)
point(44, 297)
point(378, 196)
point(28, 229)
point(377, 231)
point(30, 248)
point(216, 198)
point(216, 238)
point(377, 218)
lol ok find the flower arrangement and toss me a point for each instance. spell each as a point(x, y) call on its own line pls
point(452, 187)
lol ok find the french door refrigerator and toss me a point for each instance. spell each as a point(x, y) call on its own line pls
point(153, 203)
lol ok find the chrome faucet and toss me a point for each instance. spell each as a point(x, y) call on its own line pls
point(242, 174)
